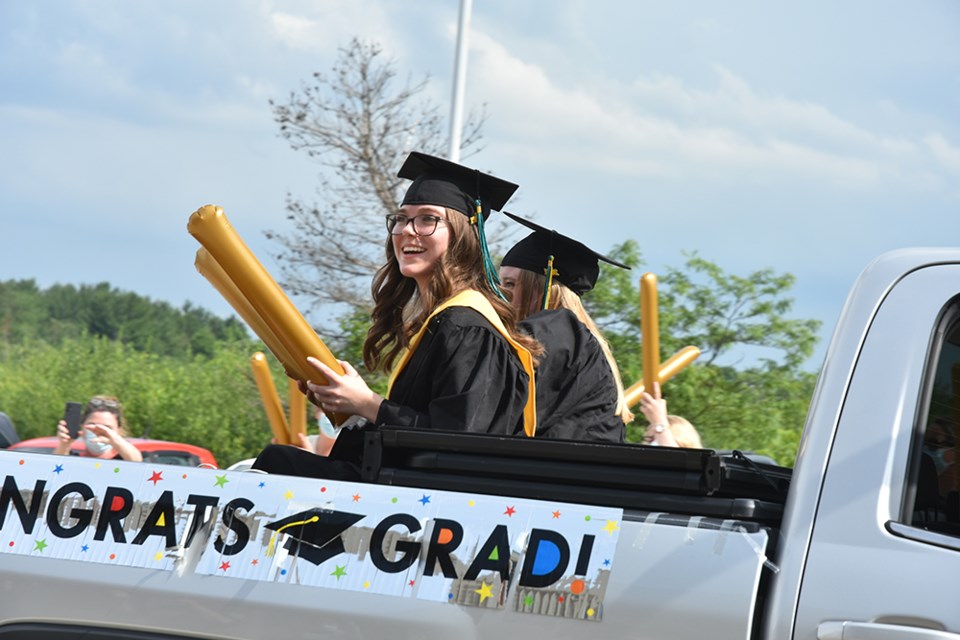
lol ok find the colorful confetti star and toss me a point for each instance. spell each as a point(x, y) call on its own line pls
point(254, 562)
point(58, 469)
point(158, 556)
point(85, 548)
point(556, 514)
point(611, 526)
point(261, 485)
point(560, 599)
point(606, 562)
point(424, 500)
point(156, 477)
point(484, 591)
point(288, 495)
point(528, 601)
point(510, 511)
point(411, 583)
point(224, 565)
point(40, 545)
point(339, 572)
point(356, 497)
point(221, 481)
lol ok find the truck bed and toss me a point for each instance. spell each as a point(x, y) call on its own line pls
point(648, 531)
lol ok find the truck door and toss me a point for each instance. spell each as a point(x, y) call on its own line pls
point(884, 556)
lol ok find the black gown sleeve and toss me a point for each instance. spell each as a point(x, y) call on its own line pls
point(463, 376)
point(576, 390)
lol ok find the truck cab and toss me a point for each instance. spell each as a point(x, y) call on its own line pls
point(868, 547)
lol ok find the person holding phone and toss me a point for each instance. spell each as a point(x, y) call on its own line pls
point(103, 429)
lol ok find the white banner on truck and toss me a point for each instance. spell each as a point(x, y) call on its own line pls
point(476, 550)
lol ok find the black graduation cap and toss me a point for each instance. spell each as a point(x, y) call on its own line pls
point(576, 265)
point(443, 183)
point(314, 534)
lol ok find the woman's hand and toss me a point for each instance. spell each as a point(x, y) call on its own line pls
point(654, 407)
point(346, 393)
point(63, 439)
point(115, 439)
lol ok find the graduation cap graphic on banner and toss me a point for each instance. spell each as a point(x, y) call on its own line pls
point(314, 534)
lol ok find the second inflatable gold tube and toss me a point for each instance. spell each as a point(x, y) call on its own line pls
point(209, 225)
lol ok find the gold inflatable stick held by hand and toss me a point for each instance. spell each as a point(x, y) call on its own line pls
point(215, 275)
point(674, 365)
point(298, 412)
point(211, 228)
point(271, 401)
point(649, 330)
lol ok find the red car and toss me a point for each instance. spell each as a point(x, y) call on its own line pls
point(155, 451)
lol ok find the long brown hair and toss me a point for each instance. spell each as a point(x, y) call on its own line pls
point(529, 291)
point(400, 309)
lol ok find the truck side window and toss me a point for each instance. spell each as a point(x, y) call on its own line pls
point(937, 480)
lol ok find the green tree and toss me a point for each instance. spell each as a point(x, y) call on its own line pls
point(66, 311)
point(748, 389)
point(209, 401)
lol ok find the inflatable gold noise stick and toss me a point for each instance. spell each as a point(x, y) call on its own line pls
point(215, 275)
point(674, 365)
point(649, 329)
point(271, 401)
point(210, 227)
point(298, 413)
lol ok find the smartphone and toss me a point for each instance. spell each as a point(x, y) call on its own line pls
point(71, 415)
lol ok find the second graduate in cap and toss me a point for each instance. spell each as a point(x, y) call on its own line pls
point(579, 392)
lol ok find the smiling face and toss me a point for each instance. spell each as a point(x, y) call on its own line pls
point(417, 256)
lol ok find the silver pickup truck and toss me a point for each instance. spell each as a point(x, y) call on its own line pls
point(457, 536)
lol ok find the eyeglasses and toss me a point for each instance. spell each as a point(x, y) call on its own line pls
point(422, 225)
point(100, 402)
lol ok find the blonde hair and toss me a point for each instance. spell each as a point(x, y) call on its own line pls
point(529, 291)
point(684, 433)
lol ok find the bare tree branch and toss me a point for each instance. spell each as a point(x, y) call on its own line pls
point(358, 125)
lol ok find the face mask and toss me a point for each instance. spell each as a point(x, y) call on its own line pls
point(327, 428)
point(95, 448)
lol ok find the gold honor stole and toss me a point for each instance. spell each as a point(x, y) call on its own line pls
point(475, 300)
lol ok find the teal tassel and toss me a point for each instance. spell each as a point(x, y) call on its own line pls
point(493, 279)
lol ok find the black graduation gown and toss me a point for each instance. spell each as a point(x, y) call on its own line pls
point(576, 391)
point(463, 376)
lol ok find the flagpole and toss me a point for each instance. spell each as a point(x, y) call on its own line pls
point(459, 81)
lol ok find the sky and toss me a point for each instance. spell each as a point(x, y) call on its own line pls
point(806, 137)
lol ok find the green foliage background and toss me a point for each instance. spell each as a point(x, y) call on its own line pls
point(181, 375)
point(748, 389)
point(184, 374)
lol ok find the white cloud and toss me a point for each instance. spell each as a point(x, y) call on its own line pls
point(946, 154)
point(659, 126)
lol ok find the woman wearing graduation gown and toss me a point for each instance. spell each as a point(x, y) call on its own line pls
point(439, 324)
point(579, 391)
